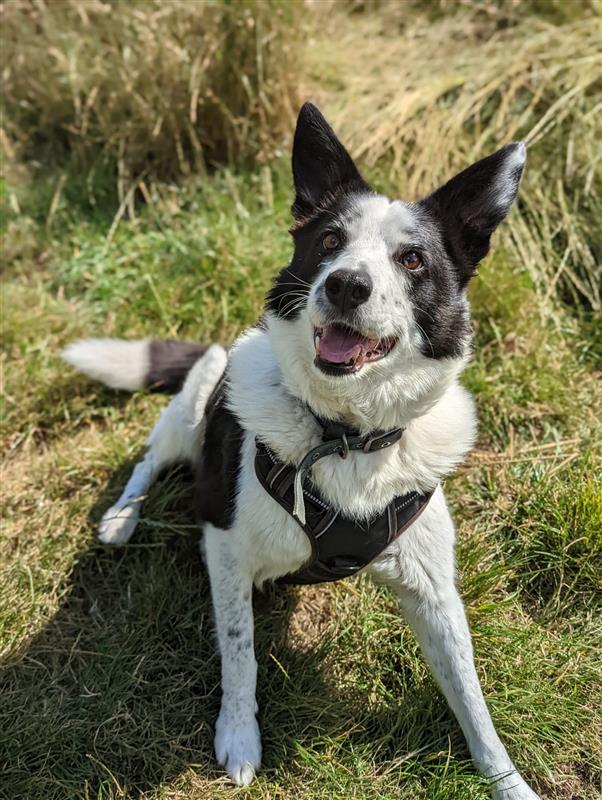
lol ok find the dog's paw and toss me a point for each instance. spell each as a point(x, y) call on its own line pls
point(238, 747)
point(118, 524)
point(513, 788)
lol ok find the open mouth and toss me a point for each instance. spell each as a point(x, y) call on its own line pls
point(340, 350)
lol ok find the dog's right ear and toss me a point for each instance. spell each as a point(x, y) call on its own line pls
point(321, 165)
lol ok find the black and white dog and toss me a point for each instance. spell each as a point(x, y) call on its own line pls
point(322, 435)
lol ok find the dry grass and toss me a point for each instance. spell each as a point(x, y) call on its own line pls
point(109, 677)
point(432, 95)
point(160, 88)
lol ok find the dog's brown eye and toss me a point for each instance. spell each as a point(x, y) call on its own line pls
point(411, 259)
point(331, 241)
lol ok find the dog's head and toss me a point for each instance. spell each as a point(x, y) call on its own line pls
point(376, 288)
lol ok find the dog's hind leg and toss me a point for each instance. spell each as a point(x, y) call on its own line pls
point(172, 441)
point(167, 445)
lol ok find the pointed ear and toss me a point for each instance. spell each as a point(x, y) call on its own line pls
point(321, 164)
point(471, 206)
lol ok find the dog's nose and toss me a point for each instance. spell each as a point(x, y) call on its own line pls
point(347, 289)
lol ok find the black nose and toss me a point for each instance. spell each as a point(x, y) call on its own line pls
point(347, 289)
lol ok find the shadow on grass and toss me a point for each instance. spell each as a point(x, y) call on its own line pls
point(57, 409)
point(119, 692)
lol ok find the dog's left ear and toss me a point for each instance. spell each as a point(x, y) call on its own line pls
point(472, 205)
point(321, 164)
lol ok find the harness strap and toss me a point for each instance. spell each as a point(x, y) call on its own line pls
point(340, 546)
point(341, 440)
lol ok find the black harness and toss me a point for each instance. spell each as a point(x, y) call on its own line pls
point(340, 546)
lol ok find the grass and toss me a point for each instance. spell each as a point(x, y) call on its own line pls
point(147, 89)
point(110, 679)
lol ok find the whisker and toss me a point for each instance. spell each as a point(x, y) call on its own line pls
point(296, 302)
point(297, 277)
point(420, 328)
point(426, 312)
point(291, 310)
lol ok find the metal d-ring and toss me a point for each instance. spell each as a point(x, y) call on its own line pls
point(345, 452)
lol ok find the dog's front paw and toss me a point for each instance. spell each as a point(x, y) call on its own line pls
point(513, 788)
point(238, 746)
point(118, 524)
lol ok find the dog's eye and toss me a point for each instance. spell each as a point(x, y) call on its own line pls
point(411, 259)
point(331, 241)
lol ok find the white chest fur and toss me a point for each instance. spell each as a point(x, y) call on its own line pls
point(360, 485)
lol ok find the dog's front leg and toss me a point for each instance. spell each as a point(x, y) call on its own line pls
point(441, 628)
point(237, 738)
point(420, 569)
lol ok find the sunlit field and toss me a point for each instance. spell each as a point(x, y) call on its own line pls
point(145, 193)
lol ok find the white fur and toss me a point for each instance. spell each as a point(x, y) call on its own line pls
point(436, 411)
point(503, 190)
point(117, 363)
point(376, 228)
point(271, 378)
point(237, 738)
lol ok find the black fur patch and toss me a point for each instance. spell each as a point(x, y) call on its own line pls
point(456, 223)
point(293, 283)
point(437, 294)
point(321, 165)
point(472, 204)
point(219, 461)
point(449, 334)
point(325, 177)
point(170, 363)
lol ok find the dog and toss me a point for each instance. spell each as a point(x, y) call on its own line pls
point(320, 438)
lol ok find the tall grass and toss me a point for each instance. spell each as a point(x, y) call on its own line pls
point(159, 89)
point(435, 92)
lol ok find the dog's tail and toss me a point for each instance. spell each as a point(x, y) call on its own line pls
point(160, 366)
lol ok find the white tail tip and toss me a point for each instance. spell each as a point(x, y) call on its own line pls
point(115, 362)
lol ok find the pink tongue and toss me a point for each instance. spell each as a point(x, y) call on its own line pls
point(338, 346)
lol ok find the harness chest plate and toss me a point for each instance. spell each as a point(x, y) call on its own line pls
point(340, 546)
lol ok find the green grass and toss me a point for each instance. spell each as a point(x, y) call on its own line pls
point(110, 676)
point(111, 681)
